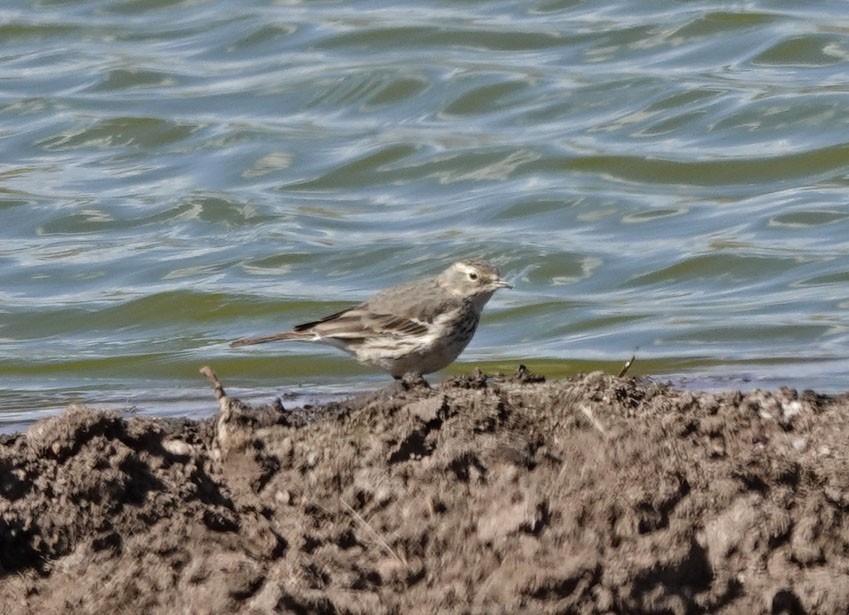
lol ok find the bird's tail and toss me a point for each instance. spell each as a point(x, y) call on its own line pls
point(262, 339)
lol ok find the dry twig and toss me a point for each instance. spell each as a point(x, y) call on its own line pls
point(216, 383)
point(359, 518)
point(593, 421)
point(627, 366)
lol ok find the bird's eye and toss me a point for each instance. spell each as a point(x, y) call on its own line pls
point(473, 275)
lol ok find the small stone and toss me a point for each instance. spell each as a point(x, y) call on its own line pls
point(800, 444)
point(312, 459)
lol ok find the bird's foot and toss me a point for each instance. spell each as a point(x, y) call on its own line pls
point(409, 382)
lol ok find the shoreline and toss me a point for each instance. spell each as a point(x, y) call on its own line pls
point(509, 494)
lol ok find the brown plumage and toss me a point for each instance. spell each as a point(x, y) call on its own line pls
point(417, 327)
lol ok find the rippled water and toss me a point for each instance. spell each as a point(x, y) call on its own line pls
point(665, 179)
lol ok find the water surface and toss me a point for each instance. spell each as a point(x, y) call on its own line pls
point(665, 179)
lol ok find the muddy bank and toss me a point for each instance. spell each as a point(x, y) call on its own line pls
point(588, 495)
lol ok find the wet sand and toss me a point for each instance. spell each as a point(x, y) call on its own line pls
point(594, 494)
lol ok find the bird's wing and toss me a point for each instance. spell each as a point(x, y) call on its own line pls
point(362, 322)
point(406, 310)
point(387, 324)
point(308, 326)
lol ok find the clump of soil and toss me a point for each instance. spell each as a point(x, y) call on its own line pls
point(487, 495)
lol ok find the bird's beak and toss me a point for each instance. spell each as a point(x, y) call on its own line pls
point(499, 283)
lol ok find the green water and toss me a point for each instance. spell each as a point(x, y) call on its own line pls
point(664, 179)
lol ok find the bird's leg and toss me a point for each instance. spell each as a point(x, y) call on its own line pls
point(412, 380)
point(408, 382)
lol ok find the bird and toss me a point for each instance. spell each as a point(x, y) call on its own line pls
point(417, 327)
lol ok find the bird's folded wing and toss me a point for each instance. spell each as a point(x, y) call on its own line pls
point(360, 322)
point(337, 318)
point(387, 324)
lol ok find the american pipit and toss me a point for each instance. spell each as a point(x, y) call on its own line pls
point(417, 328)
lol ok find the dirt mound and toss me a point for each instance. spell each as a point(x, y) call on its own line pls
point(508, 495)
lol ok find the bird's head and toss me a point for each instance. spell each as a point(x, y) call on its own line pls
point(474, 279)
